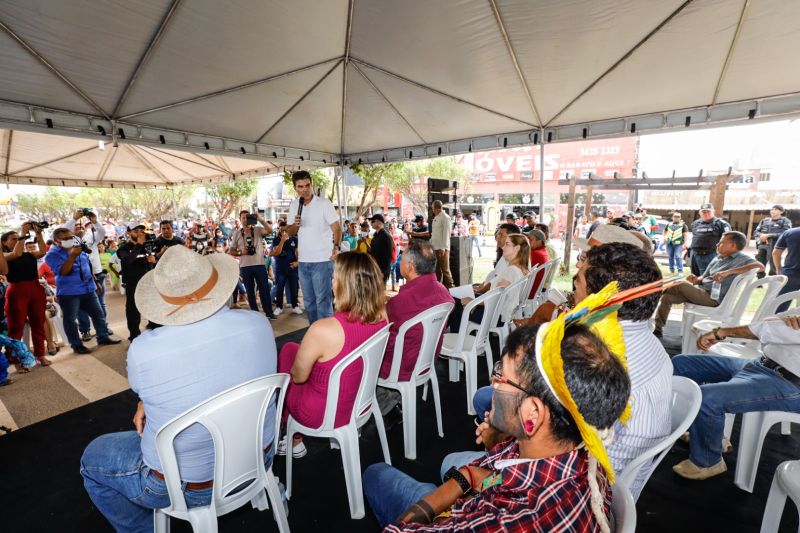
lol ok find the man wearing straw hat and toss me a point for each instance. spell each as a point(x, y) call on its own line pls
point(203, 348)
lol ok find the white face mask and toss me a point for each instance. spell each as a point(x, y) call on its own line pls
point(68, 243)
point(364, 234)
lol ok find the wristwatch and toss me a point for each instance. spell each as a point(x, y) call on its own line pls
point(715, 331)
point(465, 485)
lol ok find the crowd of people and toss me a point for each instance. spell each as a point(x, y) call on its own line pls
point(579, 392)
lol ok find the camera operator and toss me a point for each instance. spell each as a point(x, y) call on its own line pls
point(248, 244)
point(91, 233)
point(137, 256)
point(76, 288)
point(166, 238)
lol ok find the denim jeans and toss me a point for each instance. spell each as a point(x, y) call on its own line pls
point(701, 262)
point(458, 459)
point(286, 282)
point(730, 385)
point(123, 488)
point(792, 284)
point(316, 280)
point(675, 259)
point(257, 275)
point(3, 367)
point(476, 244)
point(83, 316)
point(70, 305)
point(389, 491)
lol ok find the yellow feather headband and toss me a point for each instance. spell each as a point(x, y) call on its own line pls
point(601, 318)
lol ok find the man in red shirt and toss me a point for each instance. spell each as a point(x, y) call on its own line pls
point(420, 292)
point(539, 255)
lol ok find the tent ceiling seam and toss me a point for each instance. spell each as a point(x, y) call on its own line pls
point(440, 93)
point(132, 149)
point(107, 163)
point(346, 60)
point(209, 166)
point(148, 151)
point(299, 101)
point(32, 51)
point(7, 151)
point(228, 90)
point(622, 59)
point(729, 55)
point(223, 163)
point(148, 53)
point(377, 90)
point(504, 33)
point(51, 161)
point(215, 165)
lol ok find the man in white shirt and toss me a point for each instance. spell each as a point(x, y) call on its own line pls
point(319, 235)
point(440, 240)
point(172, 369)
point(739, 385)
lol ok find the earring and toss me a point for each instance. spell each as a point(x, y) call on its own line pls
point(529, 425)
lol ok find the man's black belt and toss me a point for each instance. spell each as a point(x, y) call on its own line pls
point(701, 251)
point(784, 373)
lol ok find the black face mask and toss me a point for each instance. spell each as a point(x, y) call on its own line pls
point(505, 413)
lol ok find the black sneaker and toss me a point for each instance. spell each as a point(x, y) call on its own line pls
point(107, 341)
point(86, 336)
point(81, 349)
point(658, 333)
point(272, 316)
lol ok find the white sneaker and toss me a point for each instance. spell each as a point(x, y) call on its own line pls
point(277, 311)
point(298, 450)
point(296, 310)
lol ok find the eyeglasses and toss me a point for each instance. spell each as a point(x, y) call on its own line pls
point(497, 377)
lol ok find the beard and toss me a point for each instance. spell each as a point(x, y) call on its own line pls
point(504, 415)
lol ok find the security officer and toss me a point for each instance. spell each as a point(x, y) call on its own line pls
point(136, 261)
point(706, 233)
point(767, 233)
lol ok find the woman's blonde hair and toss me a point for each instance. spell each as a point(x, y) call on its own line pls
point(523, 257)
point(360, 290)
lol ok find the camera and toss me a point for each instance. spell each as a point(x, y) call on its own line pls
point(86, 211)
point(251, 220)
point(251, 245)
point(78, 243)
point(149, 244)
point(42, 225)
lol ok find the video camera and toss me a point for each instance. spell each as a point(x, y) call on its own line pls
point(42, 224)
point(149, 244)
point(78, 243)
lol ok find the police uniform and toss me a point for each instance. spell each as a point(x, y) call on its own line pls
point(705, 236)
point(773, 229)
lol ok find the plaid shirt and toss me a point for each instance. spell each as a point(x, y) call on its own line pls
point(543, 495)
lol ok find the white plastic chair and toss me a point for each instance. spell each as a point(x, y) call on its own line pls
point(693, 313)
point(58, 321)
point(346, 436)
point(462, 348)
point(509, 298)
point(623, 509)
point(547, 280)
point(433, 321)
point(755, 426)
point(771, 285)
point(235, 420)
point(751, 349)
point(686, 400)
point(525, 302)
point(785, 483)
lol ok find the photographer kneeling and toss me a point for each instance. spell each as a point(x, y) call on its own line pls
point(138, 256)
point(76, 288)
point(248, 244)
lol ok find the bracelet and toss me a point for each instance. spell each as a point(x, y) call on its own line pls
point(455, 474)
point(715, 331)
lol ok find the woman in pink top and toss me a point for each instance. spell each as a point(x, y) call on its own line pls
point(359, 293)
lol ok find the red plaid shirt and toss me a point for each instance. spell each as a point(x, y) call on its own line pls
point(543, 495)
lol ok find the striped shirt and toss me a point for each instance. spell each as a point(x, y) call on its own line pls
point(650, 371)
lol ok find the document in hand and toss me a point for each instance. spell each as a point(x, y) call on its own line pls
point(463, 291)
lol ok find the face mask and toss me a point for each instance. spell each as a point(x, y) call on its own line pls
point(68, 243)
point(363, 234)
point(505, 413)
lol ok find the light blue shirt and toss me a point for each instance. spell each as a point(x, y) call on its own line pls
point(174, 368)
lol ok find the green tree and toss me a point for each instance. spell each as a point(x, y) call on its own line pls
point(52, 202)
point(228, 197)
point(374, 178)
point(406, 184)
point(319, 179)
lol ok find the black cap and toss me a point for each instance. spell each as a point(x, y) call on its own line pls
point(512, 216)
point(377, 216)
point(419, 218)
point(529, 214)
point(779, 207)
point(704, 207)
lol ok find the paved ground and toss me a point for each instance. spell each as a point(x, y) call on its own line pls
point(75, 380)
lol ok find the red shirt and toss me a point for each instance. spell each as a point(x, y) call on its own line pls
point(538, 257)
point(50, 278)
point(416, 296)
point(539, 496)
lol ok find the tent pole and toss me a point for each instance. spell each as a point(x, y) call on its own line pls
point(174, 208)
point(541, 175)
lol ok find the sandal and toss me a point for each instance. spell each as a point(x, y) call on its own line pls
point(55, 351)
point(44, 361)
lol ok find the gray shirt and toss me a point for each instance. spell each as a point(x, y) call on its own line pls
point(174, 368)
point(239, 241)
point(720, 264)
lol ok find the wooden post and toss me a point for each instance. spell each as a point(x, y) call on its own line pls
point(750, 224)
point(588, 199)
point(570, 223)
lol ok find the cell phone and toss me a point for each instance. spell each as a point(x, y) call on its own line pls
point(260, 211)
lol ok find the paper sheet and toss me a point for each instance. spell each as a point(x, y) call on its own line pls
point(463, 291)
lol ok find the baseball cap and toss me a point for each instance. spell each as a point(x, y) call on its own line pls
point(779, 207)
point(511, 216)
point(539, 234)
point(377, 216)
point(419, 218)
point(133, 224)
point(606, 233)
point(529, 214)
point(706, 207)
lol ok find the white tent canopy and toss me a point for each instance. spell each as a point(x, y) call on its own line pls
point(305, 82)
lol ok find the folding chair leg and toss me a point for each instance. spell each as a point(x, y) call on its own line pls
point(351, 463)
point(409, 396)
point(160, 521)
point(786, 428)
point(730, 418)
point(425, 387)
point(776, 501)
point(454, 367)
point(489, 358)
point(275, 499)
point(203, 520)
point(437, 402)
point(260, 501)
point(751, 439)
point(472, 380)
point(376, 414)
point(289, 437)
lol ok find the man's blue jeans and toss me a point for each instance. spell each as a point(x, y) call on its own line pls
point(286, 282)
point(675, 259)
point(257, 275)
point(730, 385)
point(389, 491)
point(316, 280)
point(70, 305)
point(476, 244)
point(83, 316)
point(122, 487)
point(701, 262)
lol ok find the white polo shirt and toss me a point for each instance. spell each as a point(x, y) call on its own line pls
point(315, 237)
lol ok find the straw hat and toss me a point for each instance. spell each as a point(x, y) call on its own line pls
point(606, 233)
point(186, 287)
